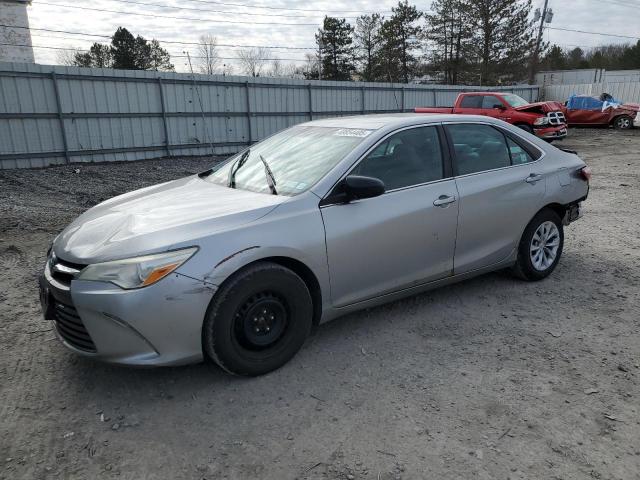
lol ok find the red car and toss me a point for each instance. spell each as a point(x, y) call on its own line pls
point(592, 111)
point(544, 119)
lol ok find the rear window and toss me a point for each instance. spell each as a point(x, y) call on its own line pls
point(478, 148)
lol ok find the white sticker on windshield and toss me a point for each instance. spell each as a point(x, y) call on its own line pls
point(352, 132)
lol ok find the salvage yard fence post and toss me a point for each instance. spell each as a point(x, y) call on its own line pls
point(164, 117)
point(56, 115)
point(63, 129)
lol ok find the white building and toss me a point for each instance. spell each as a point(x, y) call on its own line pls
point(15, 36)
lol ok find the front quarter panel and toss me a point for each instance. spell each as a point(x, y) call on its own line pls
point(293, 230)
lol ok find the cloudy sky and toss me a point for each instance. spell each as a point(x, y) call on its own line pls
point(279, 23)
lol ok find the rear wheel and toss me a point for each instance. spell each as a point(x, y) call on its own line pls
point(258, 320)
point(541, 246)
point(623, 122)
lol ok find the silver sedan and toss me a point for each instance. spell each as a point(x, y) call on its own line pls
point(324, 218)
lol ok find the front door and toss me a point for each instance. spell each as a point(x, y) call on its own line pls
point(402, 238)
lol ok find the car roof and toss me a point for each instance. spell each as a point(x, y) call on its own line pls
point(379, 121)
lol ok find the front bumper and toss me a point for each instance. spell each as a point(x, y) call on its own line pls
point(636, 121)
point(152, 326)
point(551, 133)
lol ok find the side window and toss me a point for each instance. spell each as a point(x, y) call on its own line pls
point(407, 158)
point(471, 101)
point(518, 154)
point(478, 148)
point(489, 101)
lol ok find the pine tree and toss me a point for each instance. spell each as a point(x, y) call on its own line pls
point(336, 49)
point(123, 48)
point(400, 42)
point(367, 44)
point(555, 59)
point(448, 30)
point(505, 39)
point(98, 56)
point(126, 52)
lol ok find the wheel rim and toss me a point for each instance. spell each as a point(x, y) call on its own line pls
point(624, 123)
point(261, 321)
point(544, 246)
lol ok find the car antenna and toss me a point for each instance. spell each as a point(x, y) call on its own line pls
point(208, 138)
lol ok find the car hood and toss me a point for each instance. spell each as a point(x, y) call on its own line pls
point(158, 218)
point(540, 107)
point(634, 107)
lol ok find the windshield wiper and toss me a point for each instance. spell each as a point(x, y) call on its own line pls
point(241, 161)
point(271, 180)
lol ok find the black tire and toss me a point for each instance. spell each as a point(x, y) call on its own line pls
point(623, 122)
point(235, 334)
point(524, 267)
point(525, 127)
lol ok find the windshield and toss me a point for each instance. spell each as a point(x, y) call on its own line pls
point(297, 158)
point(515, 100)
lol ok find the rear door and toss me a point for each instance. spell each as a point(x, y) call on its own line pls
point(501, 187)
point(402, 238)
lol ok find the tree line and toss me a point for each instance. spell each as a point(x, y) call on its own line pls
point(480, 42)
point(124, 52)
point(609, 57)
point(458, 41)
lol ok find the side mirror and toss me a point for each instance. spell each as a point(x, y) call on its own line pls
point(358, 187)
point(499, 106)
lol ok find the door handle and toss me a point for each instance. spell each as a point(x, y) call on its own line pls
point(533, 178)
point(444, 200)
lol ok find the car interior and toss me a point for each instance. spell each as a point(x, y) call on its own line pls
point(410, 157)
point(478, 148)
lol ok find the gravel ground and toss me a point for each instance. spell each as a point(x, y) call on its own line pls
point(492, 378)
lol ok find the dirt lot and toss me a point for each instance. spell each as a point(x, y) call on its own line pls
point(491, 379)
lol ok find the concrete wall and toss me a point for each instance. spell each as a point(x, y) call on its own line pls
point(14, 12)
point(52, 115)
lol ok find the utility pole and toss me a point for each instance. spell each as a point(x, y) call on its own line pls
point(320, 60)
point(546, 12)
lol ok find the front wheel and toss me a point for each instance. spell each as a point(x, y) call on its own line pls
point(623, 122)
point(540, 247)
point(258, 320)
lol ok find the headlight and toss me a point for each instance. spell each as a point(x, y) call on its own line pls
point(139, 271)
point(541, 121)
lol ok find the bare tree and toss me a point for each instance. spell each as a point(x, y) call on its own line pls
point(208, 53)
point(253, 60)
point(277, 69)
point(227, 69)
point(67, 57)
point(292, 70)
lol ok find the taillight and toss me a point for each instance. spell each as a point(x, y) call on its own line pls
point(586, 173)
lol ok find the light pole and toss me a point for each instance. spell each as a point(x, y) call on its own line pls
point(545, 17)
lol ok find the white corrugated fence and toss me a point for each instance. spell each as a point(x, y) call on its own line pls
point(624, 91)
point(55, 115)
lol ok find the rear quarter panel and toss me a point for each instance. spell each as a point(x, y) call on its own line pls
point(565, 184)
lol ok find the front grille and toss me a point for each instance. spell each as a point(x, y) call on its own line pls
point(556, 118)
point(64, 271)
point(71, 328)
